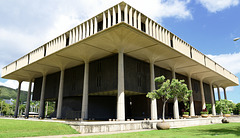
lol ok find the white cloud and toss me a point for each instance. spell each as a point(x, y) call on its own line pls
point(228, 89)
point(229, 61)
point(218, 5)
point(162, 9)
point(62, 24)
point(24, 28)
point(21, 41)
point(14, 84)
point(73, 13)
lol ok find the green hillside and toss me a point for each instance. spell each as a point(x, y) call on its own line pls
point(7, 93)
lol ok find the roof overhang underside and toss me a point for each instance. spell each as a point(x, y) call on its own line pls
point(120, 37)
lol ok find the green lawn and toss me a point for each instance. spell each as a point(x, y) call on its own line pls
point(24, 128)
point(217, 130)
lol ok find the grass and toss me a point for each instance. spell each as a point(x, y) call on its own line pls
point(24, 128)
point(216, 130)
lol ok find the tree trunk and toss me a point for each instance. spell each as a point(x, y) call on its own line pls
point(164, 103)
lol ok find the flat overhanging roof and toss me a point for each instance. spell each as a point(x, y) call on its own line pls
point(135, 43)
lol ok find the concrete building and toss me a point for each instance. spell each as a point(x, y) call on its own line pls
point(8, 101)
point(103, 68)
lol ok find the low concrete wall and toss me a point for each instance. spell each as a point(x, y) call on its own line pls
point(111, 126)
point(96, 127)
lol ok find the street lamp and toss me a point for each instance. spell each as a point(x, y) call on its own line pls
point(236, 39)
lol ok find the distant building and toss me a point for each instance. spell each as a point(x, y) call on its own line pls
point(8, 101)
point(104, 67)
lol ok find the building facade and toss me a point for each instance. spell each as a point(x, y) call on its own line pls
point(103, 68)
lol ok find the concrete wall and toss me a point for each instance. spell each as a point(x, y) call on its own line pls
point(71, 107)
point(102, 107)
point(99, 108)
point(207, 93)
point(137, 75)
point(160, 71)
point(37, 89)
point(196, 90)
point(73, 81)
point(52, 86)
point(96, 127)
point(103, 74)
point(140, 107)
point(198, 107)
point(103, 78)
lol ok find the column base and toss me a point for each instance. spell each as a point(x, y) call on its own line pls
point(120, 120)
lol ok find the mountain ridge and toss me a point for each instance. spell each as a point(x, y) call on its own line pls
point(8, 93)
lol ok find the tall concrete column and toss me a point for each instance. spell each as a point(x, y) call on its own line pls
point(60, 95)
point(84, 114)
point(153, 102)
point(121, 95)
point(46, 108)
point(192, 111)
point(202, 95)
point(42, 101)
point(175, 101)
point(225, 94)
point(28, 99)
point(219, 96)
point(212, 100)
point(17, 100)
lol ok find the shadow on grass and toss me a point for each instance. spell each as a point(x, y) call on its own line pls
point(229, 130)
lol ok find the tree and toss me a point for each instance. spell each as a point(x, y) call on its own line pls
point(224, 106)
point(7, 109)
point(236, 110)
point(22, 108)
point(51, 107)
point(209, 108)
point(168, 90)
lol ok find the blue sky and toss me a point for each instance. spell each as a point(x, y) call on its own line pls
point(208, 25)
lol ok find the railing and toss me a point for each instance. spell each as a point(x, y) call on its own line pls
point(11, 67)
point(4, 71)
point(219, 69)
point(22, 62)
point(210, 63)
point(197, 56)
point(181, 46)
point(55, 44)
point(114, 15)
point(36, 54)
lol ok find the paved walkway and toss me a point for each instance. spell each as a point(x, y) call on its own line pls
point(89, 134)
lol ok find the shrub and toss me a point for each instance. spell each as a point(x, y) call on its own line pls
point(224, 106)
point(204, 111)
point(186, 113)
